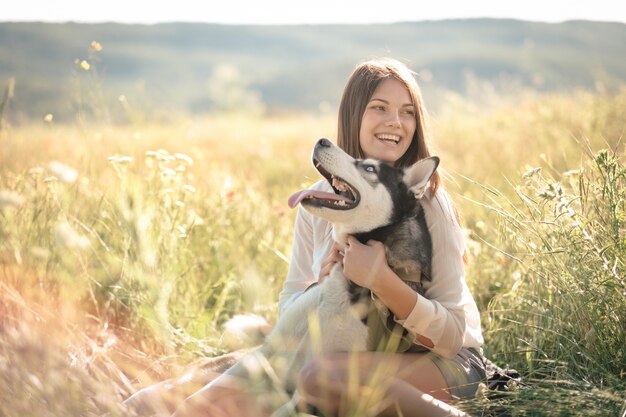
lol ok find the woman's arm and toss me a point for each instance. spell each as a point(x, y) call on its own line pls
point(439, 321)
point(300, 274)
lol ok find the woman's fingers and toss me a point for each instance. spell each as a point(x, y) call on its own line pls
point(335, 255)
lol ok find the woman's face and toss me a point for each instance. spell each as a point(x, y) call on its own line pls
point(388, 124)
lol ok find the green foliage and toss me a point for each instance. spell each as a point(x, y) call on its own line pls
point(562, 310)
point(557, 312)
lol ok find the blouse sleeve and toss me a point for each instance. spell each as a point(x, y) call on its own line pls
point(441, 314)
point(300, 274)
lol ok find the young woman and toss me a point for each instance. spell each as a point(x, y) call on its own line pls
point(381, 116)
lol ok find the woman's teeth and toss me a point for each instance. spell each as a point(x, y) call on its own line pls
point(389, 138)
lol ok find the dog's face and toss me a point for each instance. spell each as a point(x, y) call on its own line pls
point(367, 194)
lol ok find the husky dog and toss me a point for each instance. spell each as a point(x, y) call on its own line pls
point(371, 200)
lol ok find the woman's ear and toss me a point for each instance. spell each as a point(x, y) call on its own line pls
point(417, 175)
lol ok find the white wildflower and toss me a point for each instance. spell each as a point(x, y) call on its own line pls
point(573, 172)
point(182, 231)
point(63, 172)
point(531, 172)
point(184, 158)
point(120, 159)
point(10, 199)
point(168, 172)
point(193, 219)
point(65, 236)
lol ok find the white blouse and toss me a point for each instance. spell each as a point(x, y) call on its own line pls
point(447, 314)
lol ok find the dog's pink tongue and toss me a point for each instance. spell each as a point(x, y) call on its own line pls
point(297, 197)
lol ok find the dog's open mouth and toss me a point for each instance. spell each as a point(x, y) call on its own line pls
point(345, 195)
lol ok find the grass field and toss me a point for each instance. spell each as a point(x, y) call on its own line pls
point(123, 249)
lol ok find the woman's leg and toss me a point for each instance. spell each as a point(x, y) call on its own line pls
point(341, 382)
point(226, 396)
point(404, 399)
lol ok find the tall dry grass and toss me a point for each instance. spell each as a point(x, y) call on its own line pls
point(120, 265)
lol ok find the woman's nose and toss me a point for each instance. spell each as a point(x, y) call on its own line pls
point(394, 119)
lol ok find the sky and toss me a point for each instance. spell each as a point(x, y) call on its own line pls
point(307, 11)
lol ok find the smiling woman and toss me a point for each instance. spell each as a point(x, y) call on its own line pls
point(388, 123)
point(382, 117)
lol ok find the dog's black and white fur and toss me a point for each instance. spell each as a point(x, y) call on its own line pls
point(371, 200)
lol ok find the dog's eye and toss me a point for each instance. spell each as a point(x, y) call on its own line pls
point(370, 168)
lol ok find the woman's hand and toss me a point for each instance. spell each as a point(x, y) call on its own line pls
point(365, 265)
point(335, 255)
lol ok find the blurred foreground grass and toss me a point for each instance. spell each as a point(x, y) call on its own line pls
point(124, 248)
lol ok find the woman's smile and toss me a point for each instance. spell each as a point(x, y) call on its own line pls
point(388, 123)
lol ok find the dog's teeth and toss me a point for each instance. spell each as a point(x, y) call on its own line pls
point(340, 185)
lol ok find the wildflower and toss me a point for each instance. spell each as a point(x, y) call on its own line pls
point(182, 231)
point(96, 46)
point(189, 188)
point(228, 189)
point(120, 159)
point(63, 172)
point(48, 118)
point(482, 391)
point(184, 158)
point(193, 219)
point(279, 210)
point(531, 172)
point(573, 172)
point(230, 195)
point(10, 199)
point(84, 65)
point(168, 172)
point(66, 237)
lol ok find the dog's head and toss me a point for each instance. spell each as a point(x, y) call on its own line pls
point(368, 194)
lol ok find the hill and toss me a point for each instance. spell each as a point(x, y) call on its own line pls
point(188, 67)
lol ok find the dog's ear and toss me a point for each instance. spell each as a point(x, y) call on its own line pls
point(417, 175)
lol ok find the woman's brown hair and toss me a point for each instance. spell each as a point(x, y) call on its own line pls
point(356, 95)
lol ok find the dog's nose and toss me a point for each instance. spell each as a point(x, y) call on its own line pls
point(325, 143)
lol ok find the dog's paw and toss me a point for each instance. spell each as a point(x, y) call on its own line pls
point(244, 330)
